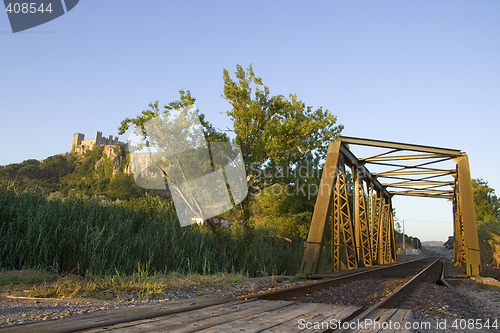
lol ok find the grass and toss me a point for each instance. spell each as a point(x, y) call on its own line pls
point(24, 277)
point(93, 238)
point(89, 237)
point(141, 285)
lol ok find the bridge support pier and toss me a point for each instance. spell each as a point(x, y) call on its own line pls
point(466, 242)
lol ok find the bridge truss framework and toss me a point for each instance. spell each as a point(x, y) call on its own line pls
point(362, 229)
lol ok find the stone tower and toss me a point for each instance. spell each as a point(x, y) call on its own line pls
point(77, 140)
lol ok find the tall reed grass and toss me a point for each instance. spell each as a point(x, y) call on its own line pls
point(91, 237)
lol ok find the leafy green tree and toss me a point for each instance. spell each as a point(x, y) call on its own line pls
point(46, 174)
point(413, 242)
point(282, 140)
point(84, 178)
point(286, 210)
point(123, 187)
point(488, 219)
point(486, 202)
point(172, 133)
point(30, 171)
point(450, 243)
point(211, 134)
point(276, 134)
point(56, 167)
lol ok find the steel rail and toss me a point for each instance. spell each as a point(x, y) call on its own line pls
point(398, 292)
point(330, 282)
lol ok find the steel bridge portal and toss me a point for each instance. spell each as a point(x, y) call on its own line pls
point(361, 232)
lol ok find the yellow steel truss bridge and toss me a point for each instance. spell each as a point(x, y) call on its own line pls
point(362, 229)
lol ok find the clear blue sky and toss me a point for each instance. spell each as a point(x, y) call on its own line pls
point(425, 72)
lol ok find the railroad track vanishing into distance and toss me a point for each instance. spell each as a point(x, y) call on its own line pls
point(331, 304)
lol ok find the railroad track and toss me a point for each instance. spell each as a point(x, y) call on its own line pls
point(381, 311)
point(395, 271)
point(274, 311)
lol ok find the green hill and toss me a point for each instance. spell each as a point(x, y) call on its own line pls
point(99, 172)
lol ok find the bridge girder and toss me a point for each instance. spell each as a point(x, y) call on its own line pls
point(362, 229)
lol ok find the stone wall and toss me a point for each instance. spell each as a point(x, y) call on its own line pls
point(105, 141)
point(79, 145)
point(77, 140)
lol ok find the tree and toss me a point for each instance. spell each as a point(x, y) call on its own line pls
point(414, 242)
point(180, 137)
point(281, 139)
point(450, 243)
point(488, 219)
point(123, 187)
point(55, 167)
point(277, 135)
point(286, 210)
point(486, 202)
point(211, 134)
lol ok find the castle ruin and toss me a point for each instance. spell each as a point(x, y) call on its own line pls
point(79, 145)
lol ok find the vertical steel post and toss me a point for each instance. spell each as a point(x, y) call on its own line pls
point(336, 226)
point(357, 222)
point(362, 225)
point(458, 230)
point(371, 223)
point(346, 223)
point(392, 237)
point(380, 227)
point(312, 249)
point(468, 212)
point(383, 233)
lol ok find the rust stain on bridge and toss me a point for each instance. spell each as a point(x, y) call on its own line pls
point(365, 236)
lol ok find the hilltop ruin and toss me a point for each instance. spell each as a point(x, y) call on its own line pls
point(79, 145)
